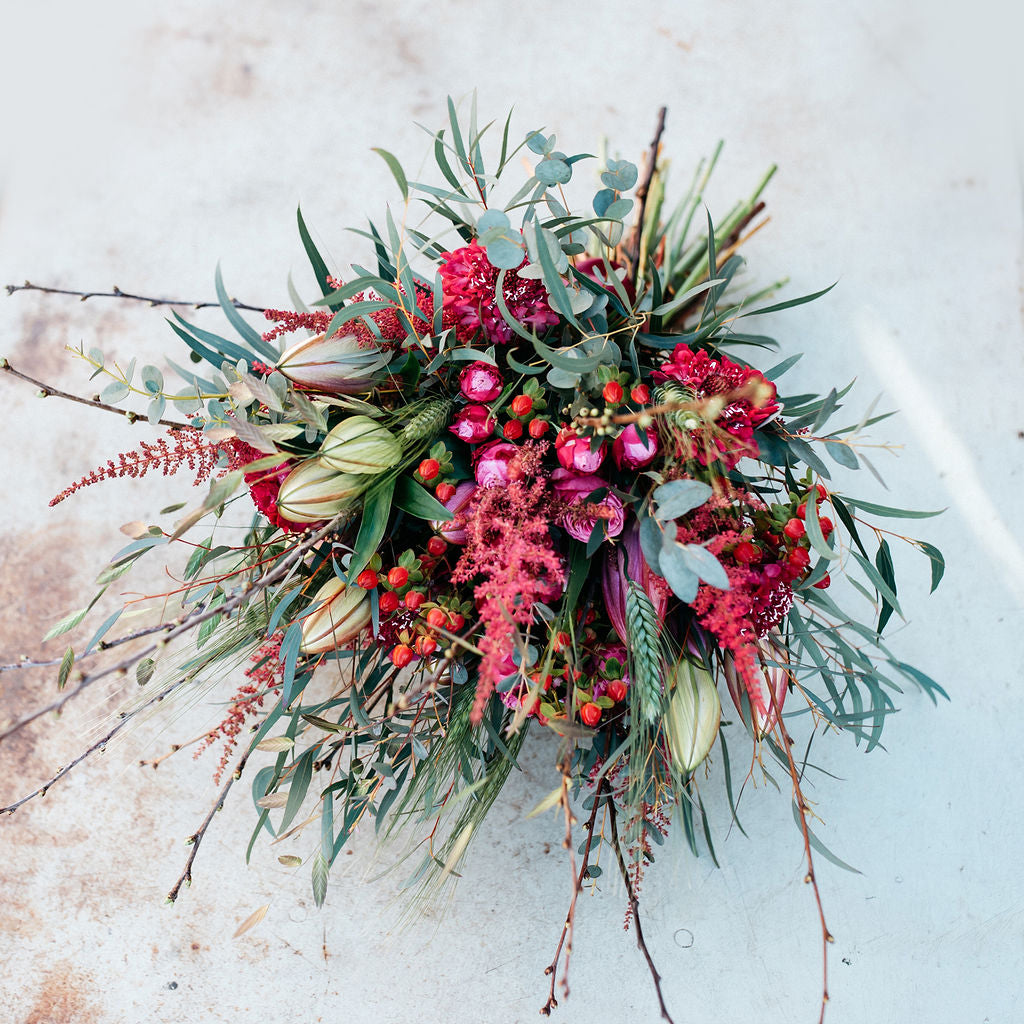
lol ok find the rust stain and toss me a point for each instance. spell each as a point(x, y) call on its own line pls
point(64, 998)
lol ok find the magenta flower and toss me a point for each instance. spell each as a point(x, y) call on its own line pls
point(491, 467)
point(470, 284)
point(454, 530)
point(581, 517)
point(633, 449)
point(623, 563)
point(480, 382)
point(575, 452)
point(473, 424)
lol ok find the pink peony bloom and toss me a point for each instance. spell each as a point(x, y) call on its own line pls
point(473, 424)
point(491, 467)
point(470, 282)
point(580, 522)
point(480, 382)
point(575, 453)
point(633, 449)
point(454, 530)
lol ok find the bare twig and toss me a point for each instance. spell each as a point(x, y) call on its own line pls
point(185, 878)
point(552, 968)
point(632, 247)
point(634, 904)
point(28, 286)
point(180, 625)
point(100, 744)
point(47, 391)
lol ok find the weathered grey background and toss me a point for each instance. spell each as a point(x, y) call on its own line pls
point(142, 143)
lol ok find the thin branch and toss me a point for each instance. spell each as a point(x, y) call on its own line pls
point(567, 925)
point(180, 625)
point(47, 390)
point(100, 744)
point(634, 904)
point(632, 248)
point(28, 286)
point(185, 878)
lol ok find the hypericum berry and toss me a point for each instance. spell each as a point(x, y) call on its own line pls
point(530, 703)
point(801, 510)
point(640, 394)
point(798, 558)
point(414, 599)
point(822, 493)
point(389, 602)
point(612, 392)
point(398, 577)
point(746, 552)
point(561, 641)
point(826, 526)
point(367, 579)
point(824, 582)
point(538, 428)
point(429, 468)
point(436, 618)
point(513, 430)
point(617, 690)
point(437, 546)
point(456, 621)
point(590, 714)
point(794, 529)
point(444, 492)
point(425, 646)
point(401, 656)
point(522, 405)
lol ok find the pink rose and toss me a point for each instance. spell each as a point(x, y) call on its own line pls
point(473, 424)
point(633, 449)
point(575, 452)
point(491, 467)
point(575, 489)
point(480, 382)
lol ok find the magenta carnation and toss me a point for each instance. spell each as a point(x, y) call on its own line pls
point(470, 284)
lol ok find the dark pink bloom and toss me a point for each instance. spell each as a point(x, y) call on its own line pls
point(491, 467)
point(579, 522)
point(473, 424)
point(480, 382)
point(633, 449)
point(623, 563)
point(575, 452)
point(470, 283)
point(454, 530)
point(595, 270)
point(706, 377)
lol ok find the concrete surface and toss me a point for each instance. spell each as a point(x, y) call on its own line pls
point(142, 143)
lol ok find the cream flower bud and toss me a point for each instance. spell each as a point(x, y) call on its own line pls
point(343, 614)
point(693, 715)
point(360, 445)
point(336, 365)
point(312, 492)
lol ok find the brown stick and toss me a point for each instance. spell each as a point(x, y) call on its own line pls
point(47, 390)
point(632, 249)
point(28, 286)
point(634, 904)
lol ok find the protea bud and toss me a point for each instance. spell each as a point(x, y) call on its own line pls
point(765, 687)
point(343, 614)
point(623, 563)
point(692, 716)
point(312, 492)
point(335, 365)
point(360, 445)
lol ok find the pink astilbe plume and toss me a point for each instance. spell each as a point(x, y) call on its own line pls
point(189, 449)
point(510, 552)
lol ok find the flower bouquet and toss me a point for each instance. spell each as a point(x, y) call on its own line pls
point(515, 475)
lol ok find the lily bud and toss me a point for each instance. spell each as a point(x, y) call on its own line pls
point(693, 715)
point(360, 445)
point(342, 616)
point(335, 366)
point(766, 691)
point(312, 492)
